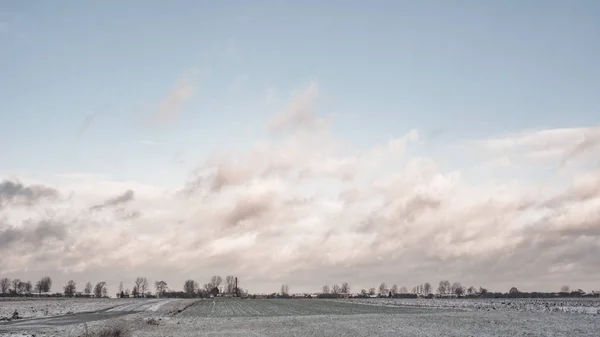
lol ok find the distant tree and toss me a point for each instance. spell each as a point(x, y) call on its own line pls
point(471, 290)
point(70, 288)
point(394, 289)
point(44, 285)
point(230, 284)
point(15, 285)
point(444, 288)
point(427, 288)
point(402, 290)
point(335, 289)
point(457, 289)
point(513, 291)
point(120, 288)
point(564, 289)
point(371, 291)
point(285, 290)
point(382, 288)
point(88, 288)
point(483, 291)
point(345, 289)
point(325, 289)
point(135, 292)
point(206, 288)
point(100, 289)
point(22, 287)
point(4, 285)
point(363, 292)
point(28, 287)
point(127, 292)
point(142, 285)
point(215, 282)
point(190, 286)
point(414, 290)
point(161, 287)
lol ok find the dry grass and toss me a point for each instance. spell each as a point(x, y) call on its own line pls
point(113, 331)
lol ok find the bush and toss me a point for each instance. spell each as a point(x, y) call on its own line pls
point(114, 331)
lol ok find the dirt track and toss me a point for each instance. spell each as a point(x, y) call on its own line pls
point(82, 317)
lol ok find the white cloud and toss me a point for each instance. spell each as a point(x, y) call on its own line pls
point(305, 208)
point(169, 109)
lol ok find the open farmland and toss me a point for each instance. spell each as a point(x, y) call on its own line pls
point(45, 307)
point(566, 305)
point(318, 318)
point(272, 308)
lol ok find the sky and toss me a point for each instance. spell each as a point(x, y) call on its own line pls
point(305, 143)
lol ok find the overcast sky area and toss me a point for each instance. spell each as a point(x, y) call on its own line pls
point(305, 142)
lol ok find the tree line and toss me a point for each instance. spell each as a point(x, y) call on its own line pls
point(444, 289)
point(217, 285)
point(141, 288)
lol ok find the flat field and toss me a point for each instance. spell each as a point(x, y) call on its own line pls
point(351, 318)
point(45, 307)
point(567, 305)
point(274, 307)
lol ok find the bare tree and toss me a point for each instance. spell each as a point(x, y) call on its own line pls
point(207, 288)
point(513, 291)
point(394, 289)
point(444, 288)
point(70, 288)
point(88, 289)
point(4, 285)
point(230, 284)
point(325, 289)
point(363, 292)
point(565, 289)
point(371, 291)
point(44, 285)
point(28, 287)
point(335, 289)
point(285, 290)
point(100, 289)
point(382, 288)
point(471, 290)
point(482, 291)
point(15, 285)
point(120, 288)
point(215, 281)
point(142, 285)
point(403, 290)
point(190, 286)
point(427, 288)
point(345, 288)
point(458, 289)
point(161, 287)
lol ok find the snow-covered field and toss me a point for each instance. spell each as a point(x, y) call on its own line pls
point(570, 305)
point(52, 307)
point(235, 317)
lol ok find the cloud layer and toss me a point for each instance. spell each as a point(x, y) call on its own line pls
point(303, 207)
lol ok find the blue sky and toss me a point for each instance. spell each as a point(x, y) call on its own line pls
point(509, 88)
point(470, 68)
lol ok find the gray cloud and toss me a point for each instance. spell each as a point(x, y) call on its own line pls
point(248, 209)
point(126, 197)
point(14, 192)
point(31, 234)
